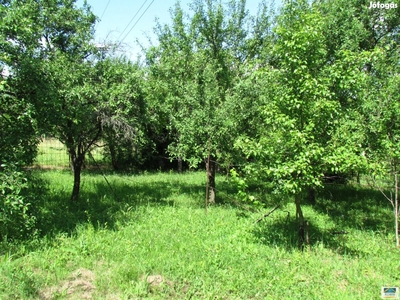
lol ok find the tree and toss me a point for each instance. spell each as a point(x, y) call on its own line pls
point(193, 70)
point(68, 108)
point(170, 71)
point(19, 55)
point(18, 148)
point(374, 34)
point(123, 112)
point(381, 111)
point(73, 91)
point(299, 140)
point(20, 34)
point(76, 109)
point(94, 97)
point(46, 44)
point(18, 137)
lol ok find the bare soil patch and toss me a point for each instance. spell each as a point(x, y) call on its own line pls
point(79, 285)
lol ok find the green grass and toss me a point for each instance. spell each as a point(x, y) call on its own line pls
point(52, 153)
point(110, 244)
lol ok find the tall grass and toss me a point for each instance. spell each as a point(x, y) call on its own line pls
point(151, 238)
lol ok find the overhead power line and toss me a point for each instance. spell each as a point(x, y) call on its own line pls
point(136, 22)
point(132, 19)
point(105, 9)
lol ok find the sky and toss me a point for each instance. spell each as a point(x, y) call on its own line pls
point(116, 15)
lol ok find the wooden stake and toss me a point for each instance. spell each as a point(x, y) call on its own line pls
point(208, 175)
point(396, 207)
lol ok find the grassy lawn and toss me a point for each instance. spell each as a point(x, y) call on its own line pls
point(150, 238)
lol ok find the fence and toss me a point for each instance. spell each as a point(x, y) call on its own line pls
point(53, 154)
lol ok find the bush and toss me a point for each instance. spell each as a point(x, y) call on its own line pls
point(18, 190)
point(126, 154)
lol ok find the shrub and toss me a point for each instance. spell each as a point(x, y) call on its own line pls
point(18, 190)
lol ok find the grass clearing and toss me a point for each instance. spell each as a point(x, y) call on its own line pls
point(152, 239)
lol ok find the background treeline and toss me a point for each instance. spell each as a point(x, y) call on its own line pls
point(292, 96)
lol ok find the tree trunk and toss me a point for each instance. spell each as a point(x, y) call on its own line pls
point(77, 148)
point(300, 220)
point(307, 226)
point(113, 154)
point(311, 195)
point(179, 164)
point(211, 170)
point(228, 169)
point(76, 164)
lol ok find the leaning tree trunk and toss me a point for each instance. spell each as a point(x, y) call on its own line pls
point(211, 170)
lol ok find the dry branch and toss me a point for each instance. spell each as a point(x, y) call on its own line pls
point(267, 214)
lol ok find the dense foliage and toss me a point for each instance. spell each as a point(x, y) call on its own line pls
point(20, 192)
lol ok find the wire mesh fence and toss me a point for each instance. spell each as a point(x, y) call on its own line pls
point(53, 154)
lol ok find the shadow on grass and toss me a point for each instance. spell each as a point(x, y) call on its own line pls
point(355, 207)
point(101, 204)
point(350, 208)
point(104, 207)
point(283, 233)
point(227, 193)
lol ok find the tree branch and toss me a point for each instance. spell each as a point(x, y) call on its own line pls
point(267, 214)
point(380, 189)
